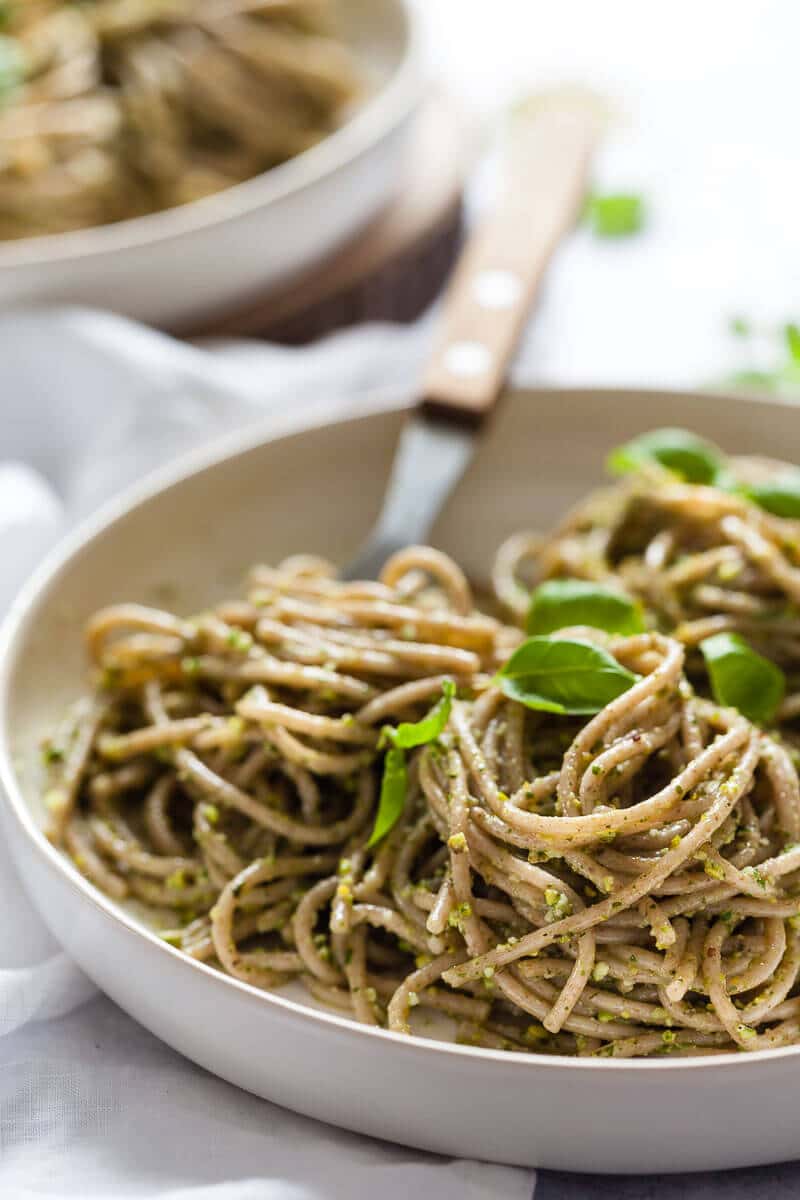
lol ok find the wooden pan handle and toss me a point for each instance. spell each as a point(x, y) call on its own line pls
point(498, 273)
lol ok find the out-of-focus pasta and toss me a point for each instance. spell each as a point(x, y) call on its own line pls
point(115, 108)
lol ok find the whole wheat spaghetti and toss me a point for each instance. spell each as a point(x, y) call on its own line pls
point(115, 108)
point(622, 882)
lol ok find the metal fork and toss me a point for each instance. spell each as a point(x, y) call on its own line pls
point(484, 310)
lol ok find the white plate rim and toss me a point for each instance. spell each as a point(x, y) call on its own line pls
point(195, 461)
point(378, 117)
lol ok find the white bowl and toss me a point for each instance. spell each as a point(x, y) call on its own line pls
point(184, 265)
point(318, 489)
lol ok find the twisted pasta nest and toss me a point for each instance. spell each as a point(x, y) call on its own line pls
point(620, 884)
point(116, 108)
point(702, 559)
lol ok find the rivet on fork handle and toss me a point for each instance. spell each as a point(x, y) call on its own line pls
point(490, 295)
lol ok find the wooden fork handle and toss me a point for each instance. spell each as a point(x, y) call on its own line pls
point(503, 262)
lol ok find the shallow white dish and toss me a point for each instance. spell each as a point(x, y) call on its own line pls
point(184, 265)
point(198, 526)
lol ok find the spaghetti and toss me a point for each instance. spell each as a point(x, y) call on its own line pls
point(620, 882)
point(115, 108)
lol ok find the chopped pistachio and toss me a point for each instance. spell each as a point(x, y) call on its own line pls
point(239, 639)
point(536, 1033)
point(558, 903)
point(758, 876)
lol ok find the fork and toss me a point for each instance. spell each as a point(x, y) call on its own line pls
point(490, 294)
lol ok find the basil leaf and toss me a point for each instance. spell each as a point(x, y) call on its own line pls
point(561, 602)
point(792, 334)
point(393, 794)
point(562, 675)
point(780, 495)
point(690, 456)
point(742, 679)
point(615, 215)
point(408, 734)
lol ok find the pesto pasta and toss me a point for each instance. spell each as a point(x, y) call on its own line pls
point(574, 842)
point(116, 108)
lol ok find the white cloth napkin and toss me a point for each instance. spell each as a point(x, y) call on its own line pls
point(91, 1104)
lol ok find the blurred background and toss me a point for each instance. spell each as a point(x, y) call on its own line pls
point(125, 108)
point(706, 96)
point(684, 274)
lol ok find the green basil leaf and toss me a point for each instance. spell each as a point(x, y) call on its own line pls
point(742, 679)
point(408, 734)
point(690, 456)
point(792, 333)
point(393, 794)
point(563, 675)
point(558, 603)
point(616, 215)
point(780, 495)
